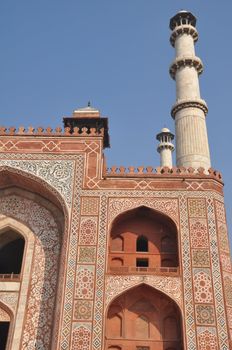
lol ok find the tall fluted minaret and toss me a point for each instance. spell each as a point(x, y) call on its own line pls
point(189, 111)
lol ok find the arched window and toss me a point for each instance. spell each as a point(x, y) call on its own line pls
point(11, 252)
point(117, 244)
point(116, 262)
point(142, 244)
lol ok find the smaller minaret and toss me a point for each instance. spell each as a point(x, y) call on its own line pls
point(165, 147)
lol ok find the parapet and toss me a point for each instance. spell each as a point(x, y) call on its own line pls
point(58, 131)
point(149, 171)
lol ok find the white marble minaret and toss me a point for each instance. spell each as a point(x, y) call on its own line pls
point(189, 111)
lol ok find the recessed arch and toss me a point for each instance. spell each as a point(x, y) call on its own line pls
point(148, 238)
point(144, 322)
point(42, 222)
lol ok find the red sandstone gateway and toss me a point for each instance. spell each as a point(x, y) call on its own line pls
point(115, 259)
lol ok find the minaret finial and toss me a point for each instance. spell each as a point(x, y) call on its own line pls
point(189, 111)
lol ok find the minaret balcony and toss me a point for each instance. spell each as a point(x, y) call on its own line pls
point(183, 29)
point(184, 61)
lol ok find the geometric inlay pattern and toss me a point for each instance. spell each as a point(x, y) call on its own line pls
point(89, 206)
point(88, 231)
point(200, 258)
point(220, 212)
point(223, 237)
point(87, 254)
point(83, 309)
point(199, 233)
point(202, 287)
point(205, 314)
point(226, 262)
point(84, 282)
point(81, 337)
point(197, 208)
point(228, 290)
point(207, 339)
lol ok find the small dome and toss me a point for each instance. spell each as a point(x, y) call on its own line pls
point(165, 130)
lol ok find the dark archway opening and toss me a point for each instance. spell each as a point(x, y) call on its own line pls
point(4, 330)
point(11, 252)
point(142, 244)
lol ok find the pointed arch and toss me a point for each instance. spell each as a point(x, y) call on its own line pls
point(41, 218)
point(149, 237)
point(143, 322)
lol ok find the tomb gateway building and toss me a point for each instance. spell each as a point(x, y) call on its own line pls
point(115, 259)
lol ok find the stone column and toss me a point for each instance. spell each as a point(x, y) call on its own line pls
point(189, 111)
point(165, 147)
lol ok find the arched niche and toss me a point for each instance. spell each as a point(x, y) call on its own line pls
point(41, 213)
point(149, 239)
point(146, 315)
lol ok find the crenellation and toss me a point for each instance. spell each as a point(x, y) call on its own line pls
point(48, 131)
point(154, 172)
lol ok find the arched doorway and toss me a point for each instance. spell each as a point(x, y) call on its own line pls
point(11, 253)
point(143, 318)
point(144, 240)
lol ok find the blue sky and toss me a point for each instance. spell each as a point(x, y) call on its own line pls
point(56, 55)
